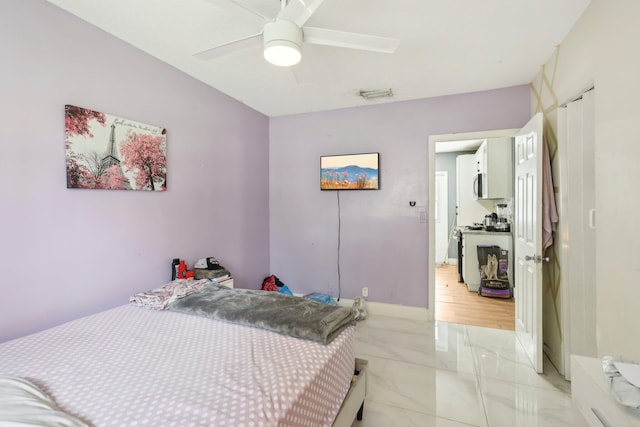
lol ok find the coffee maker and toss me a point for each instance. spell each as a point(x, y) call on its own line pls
point(490, 221)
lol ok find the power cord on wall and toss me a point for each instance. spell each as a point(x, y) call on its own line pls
point(339, 284)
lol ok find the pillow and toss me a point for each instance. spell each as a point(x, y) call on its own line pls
point(23, 404)
point(160, 298)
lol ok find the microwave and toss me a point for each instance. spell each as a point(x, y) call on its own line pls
point(478, 186)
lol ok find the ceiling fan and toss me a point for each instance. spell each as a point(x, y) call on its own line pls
point(282, 36)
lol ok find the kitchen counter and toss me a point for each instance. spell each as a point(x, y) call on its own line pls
point(484, 232)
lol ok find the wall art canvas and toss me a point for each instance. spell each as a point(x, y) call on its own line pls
point(350, 172)
point(112, 153)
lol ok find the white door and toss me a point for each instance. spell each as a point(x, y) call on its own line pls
point(442, 217)
point(528, 239)
point(576, 147)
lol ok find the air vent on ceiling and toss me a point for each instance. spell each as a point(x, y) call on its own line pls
point(379, 93)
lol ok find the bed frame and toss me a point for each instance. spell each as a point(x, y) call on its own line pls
point(353, 404)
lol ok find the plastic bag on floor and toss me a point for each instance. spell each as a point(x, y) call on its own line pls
point(323, 298)
point(359, 308)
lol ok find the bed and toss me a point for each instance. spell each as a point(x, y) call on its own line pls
point(132, 366)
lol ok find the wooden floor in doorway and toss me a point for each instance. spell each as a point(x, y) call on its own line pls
point(456, 304)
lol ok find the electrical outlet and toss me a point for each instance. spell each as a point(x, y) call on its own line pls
point(365, 292)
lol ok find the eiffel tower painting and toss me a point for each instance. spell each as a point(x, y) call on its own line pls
point(111, 156)
point(134, 159)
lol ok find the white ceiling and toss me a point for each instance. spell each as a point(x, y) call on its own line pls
point(446, 46)
point(456, 146)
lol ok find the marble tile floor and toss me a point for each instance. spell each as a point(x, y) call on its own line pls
point(451, 375)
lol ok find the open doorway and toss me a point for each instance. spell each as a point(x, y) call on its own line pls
point(451, 299)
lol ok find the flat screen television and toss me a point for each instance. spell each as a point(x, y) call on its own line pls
point(350, 172)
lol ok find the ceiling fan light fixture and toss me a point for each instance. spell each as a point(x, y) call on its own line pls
point(282, 53)
point(282, 41)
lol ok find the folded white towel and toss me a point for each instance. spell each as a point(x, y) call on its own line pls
point(23, 404)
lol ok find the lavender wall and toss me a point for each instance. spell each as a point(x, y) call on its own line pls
point(65, 253)
point(383, 244)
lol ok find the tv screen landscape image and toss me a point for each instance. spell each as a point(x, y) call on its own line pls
point(350, 172)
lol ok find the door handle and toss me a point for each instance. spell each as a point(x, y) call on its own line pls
point(592, 219)
point(537, 259)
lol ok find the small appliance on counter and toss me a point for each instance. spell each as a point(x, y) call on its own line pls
point(490, 221)
point(502, 225)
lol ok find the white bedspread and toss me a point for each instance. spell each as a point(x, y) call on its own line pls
point(22, 404)
point(136, 367)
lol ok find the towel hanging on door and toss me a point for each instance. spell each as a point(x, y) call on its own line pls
point(549, 212)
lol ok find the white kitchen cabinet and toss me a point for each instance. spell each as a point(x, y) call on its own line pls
point(481, 154)
point(470, 241)
point(494, 166)
point(470, 210)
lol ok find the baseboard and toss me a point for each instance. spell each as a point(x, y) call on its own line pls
point(554, 358)
point(392, 310)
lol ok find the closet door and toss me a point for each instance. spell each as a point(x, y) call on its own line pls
point(579, 211)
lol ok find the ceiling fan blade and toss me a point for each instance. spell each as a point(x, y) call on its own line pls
point(336, 38)
point(299, 11)
point(227, 48)
point(231, 4)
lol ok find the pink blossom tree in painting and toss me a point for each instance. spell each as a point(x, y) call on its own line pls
point(78, 176)
point(145, 156)
point(77, 121)
point(113, 179)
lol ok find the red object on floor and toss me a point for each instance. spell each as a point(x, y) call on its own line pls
point(269, 284)
point(182, 270)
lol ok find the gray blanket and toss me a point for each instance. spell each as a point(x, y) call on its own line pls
point(289, 315)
